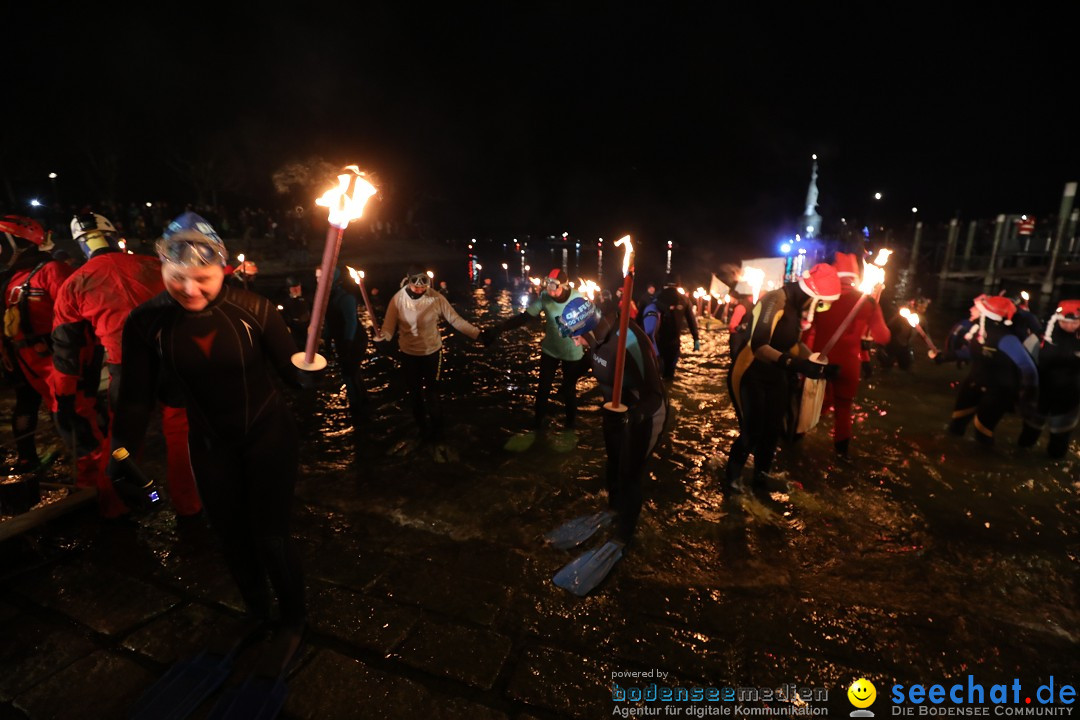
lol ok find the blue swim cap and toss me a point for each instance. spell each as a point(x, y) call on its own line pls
point(191, 240)
point(578, 317)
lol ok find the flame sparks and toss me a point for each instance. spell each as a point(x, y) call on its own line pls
point(753, 277)
point(628, 254)
point(346, 201)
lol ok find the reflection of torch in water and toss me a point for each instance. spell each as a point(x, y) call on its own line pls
point(346, 203)
point(624, 323)
point(358, 278)
point(913, 321)
point(873, 282)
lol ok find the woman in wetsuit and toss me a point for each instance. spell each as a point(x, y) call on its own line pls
point(218, 347)
point(760, 377)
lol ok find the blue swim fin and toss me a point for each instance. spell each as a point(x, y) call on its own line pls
point(574, 532)
point(589, 570)
point(183, 687)
point(258, 698)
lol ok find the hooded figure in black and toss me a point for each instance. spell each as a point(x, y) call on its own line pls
point(761, 375)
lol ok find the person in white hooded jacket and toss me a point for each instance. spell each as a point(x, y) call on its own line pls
point(413, 314)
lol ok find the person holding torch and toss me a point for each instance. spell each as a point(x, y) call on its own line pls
point(846, 351)
point(760, 376)
point(220, 348)
point(413, 315)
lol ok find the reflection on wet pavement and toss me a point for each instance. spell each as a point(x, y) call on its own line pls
point(923, 557)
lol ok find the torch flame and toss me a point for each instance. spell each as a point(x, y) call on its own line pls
point(628, 254)
point(912, 318)
point(753, 277)
point(588, 288)
point(882, 257)
point(872, 276)
point(346, 201)
point(356, 276)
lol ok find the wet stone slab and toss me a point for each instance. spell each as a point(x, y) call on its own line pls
point(183, 632)
point(562, 682)
point(335, 686)
point(345, 564)
point(426, 584)
point(471, 655)
point(33, 650)
point(101, 599)
point(103, 685)
point(359, 619)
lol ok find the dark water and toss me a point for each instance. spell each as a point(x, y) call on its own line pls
point(922, 557)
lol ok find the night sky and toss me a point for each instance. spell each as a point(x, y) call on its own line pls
point(695, 125)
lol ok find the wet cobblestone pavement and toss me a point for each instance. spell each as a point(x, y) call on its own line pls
point(924, 557)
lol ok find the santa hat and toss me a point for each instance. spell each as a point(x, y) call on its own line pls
point(1067, 310)
point(996, 307)
point(821, 281)
point(847, 266)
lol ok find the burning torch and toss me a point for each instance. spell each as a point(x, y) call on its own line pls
point(913, 320)
point(358, 278)
point(624, 323)
point(346, 203)
point(873, 281)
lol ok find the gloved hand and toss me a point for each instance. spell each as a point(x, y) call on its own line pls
point(831, 371)
point(65, 415)
point(382, 347)
point(488, 337)
point(866, 344)
point(697, 345)
point(136, 490)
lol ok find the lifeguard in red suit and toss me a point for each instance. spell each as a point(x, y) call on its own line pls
point(91, 309)
point(847, 352)
point(30, 284)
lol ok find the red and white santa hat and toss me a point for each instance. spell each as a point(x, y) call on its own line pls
point(821, 282)
point(1066, 310)
point(847, 267)
point(996, 307)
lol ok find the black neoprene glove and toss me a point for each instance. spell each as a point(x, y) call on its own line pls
point(488, 337)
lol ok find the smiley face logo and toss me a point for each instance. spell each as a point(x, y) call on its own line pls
point(862, 694)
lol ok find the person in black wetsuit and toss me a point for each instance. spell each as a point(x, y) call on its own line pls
point(630, 436)
point(759, 382)
point(1002, 372)
point(674, 311)
point(1059, 382)
point(219, 346)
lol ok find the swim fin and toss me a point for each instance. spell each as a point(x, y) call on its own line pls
point(574, 532)
point(187, 683)
point(564, 441)
point(582, 575)
point(262, 695)
point(258, 698)
point(520, 442)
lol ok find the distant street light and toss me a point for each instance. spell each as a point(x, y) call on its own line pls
point(35, 203)
point(877, 196)
point(914, 209)
point(52, 176)
point(506, 272)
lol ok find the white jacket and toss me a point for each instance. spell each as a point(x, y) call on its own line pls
point(417, 322)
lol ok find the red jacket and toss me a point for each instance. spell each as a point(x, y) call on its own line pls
point(869, 318)
point(96, 299)
point(40, 294)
